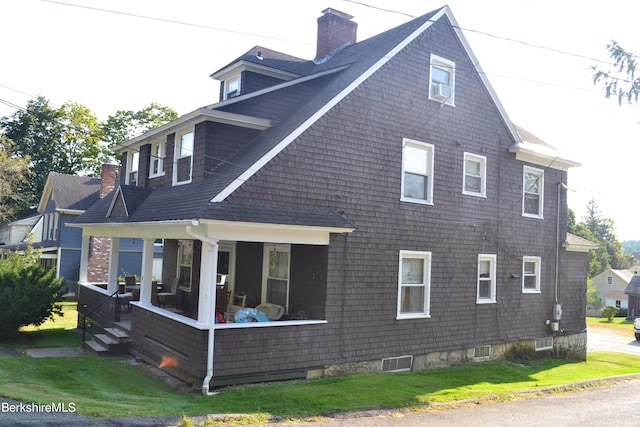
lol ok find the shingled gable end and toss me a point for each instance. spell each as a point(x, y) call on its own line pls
point(380, 196)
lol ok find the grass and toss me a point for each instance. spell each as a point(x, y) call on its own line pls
point(111, 387)
point(620, 324)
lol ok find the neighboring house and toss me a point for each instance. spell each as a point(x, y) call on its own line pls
point(64, 198)
point(633, 292)
point(379, 193)
point(610, 286)
point(16, 232)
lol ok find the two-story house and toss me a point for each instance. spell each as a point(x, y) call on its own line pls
point(610, 286)
point(379, 193)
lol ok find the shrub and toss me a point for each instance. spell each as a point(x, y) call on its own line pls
point(609, 312)
point(28, 293)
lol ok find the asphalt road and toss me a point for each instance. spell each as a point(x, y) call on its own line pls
point(615, 404)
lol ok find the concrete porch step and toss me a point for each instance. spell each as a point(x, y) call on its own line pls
point(96, 348)
point(114, 346)
point(117, 333)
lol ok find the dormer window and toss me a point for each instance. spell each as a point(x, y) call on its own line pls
point(157, 159)
point(184, 157)
point(442, 80)
point(132, 166)
point(232, 87)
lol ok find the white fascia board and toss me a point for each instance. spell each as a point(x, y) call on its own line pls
point(242, 65)
point(70, 211)
point(193, 118)
point(46, 194)
point(542, 156)
point(328, 106)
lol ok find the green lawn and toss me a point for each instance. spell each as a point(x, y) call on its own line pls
point(110, 387)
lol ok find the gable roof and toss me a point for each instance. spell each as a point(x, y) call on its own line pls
point(319, 87)
point(70, 192)
point(624, 276)
point(633, 288)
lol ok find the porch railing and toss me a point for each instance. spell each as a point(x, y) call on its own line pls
point(94, 308)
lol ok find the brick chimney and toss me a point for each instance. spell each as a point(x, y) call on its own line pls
point(108, 179)
point(335, 30)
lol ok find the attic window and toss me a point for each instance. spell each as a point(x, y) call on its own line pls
point(442, 80)
point(132, 166)
point(184, 158)
point(232, 87)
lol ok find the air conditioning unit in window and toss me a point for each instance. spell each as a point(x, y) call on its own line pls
point(440, 91)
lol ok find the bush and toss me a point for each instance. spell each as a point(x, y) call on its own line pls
point(609, 312)
point(28, 293)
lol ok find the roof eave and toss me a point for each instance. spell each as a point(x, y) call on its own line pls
point(531, 153)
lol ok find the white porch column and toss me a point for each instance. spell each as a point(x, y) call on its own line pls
point(147, 271)
point(114, 251)
point(208, 271)
point(84, 259)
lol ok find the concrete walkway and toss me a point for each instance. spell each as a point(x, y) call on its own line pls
point(56, 352)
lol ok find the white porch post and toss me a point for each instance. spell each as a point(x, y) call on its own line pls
point(208, 271)
point(84, 259)
point(147, 271)
point(114, 251)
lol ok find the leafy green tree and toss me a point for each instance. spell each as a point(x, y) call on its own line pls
point(29, 293)
point(609, 312)
point(620, 80)
point(64, 140)
point(13, 180)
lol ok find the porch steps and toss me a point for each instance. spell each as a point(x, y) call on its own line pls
point(113, 342)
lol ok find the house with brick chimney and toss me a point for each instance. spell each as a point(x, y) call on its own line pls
point(370, 209)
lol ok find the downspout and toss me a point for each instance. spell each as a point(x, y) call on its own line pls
point(561, 185)
point(212, 319)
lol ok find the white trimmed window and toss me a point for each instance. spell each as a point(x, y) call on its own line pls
point(157, 159)
point(533, 192)
point(183, 158)
point(232, 87)
point(414, 284)
point(531, 274)
point(486, 279)
point(417, 172)
point(442, 80)
point(275, 277)
point(475, 173)
point(133, 161)
point(185, 263)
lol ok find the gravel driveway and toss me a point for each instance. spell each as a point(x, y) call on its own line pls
point(605, 339)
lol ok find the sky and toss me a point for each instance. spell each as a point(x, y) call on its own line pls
point(112, 55)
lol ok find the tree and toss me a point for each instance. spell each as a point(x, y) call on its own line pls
point(29, 293)
point(127, 124)
point(620, 81)
point(13, 180)
point(64, 140)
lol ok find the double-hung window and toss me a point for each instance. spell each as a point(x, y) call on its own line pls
point(442, 80)
point(531, 274)
point(417, 172)
point(184, 157)
point(275, 282)
point(232, 87)
point(132, 166)
point(414, 284)
point(185, 261)
point(475, 172)
point(486, 279)
point(157, 159)
point(533, 192)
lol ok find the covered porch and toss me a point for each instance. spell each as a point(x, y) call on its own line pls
point(251, 264)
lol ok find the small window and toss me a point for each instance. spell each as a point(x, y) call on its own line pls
point(442, 80)
point(486, 279)
point(417, 172)
point(482, 352)
point(609, 280)
point(232, 87)
point(545, 343)
point(474, 179)
point(397, 364)
point(184, 158)
point(132, 166)
point(157, 159)
point(185, 263)
point(275, 282)
point(531, 274)
point(533, 195)
point(414, 284)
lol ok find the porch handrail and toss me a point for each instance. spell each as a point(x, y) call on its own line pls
point(94, 308)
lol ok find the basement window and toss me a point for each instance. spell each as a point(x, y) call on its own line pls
point(545, 343)
point(482, 352)
point(397, 364)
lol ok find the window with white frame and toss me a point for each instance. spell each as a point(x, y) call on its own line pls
point(533, 193)
point(184, 157)
point(275, 278)
point(609, 280)
point(475, 172)
point(417, 172)
point(232, 87)
point(133, 161)
point(157, 159)
point(442, 80)
point(414, 284)
point(531, 274)
point(486, 278)
point(185, 263)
